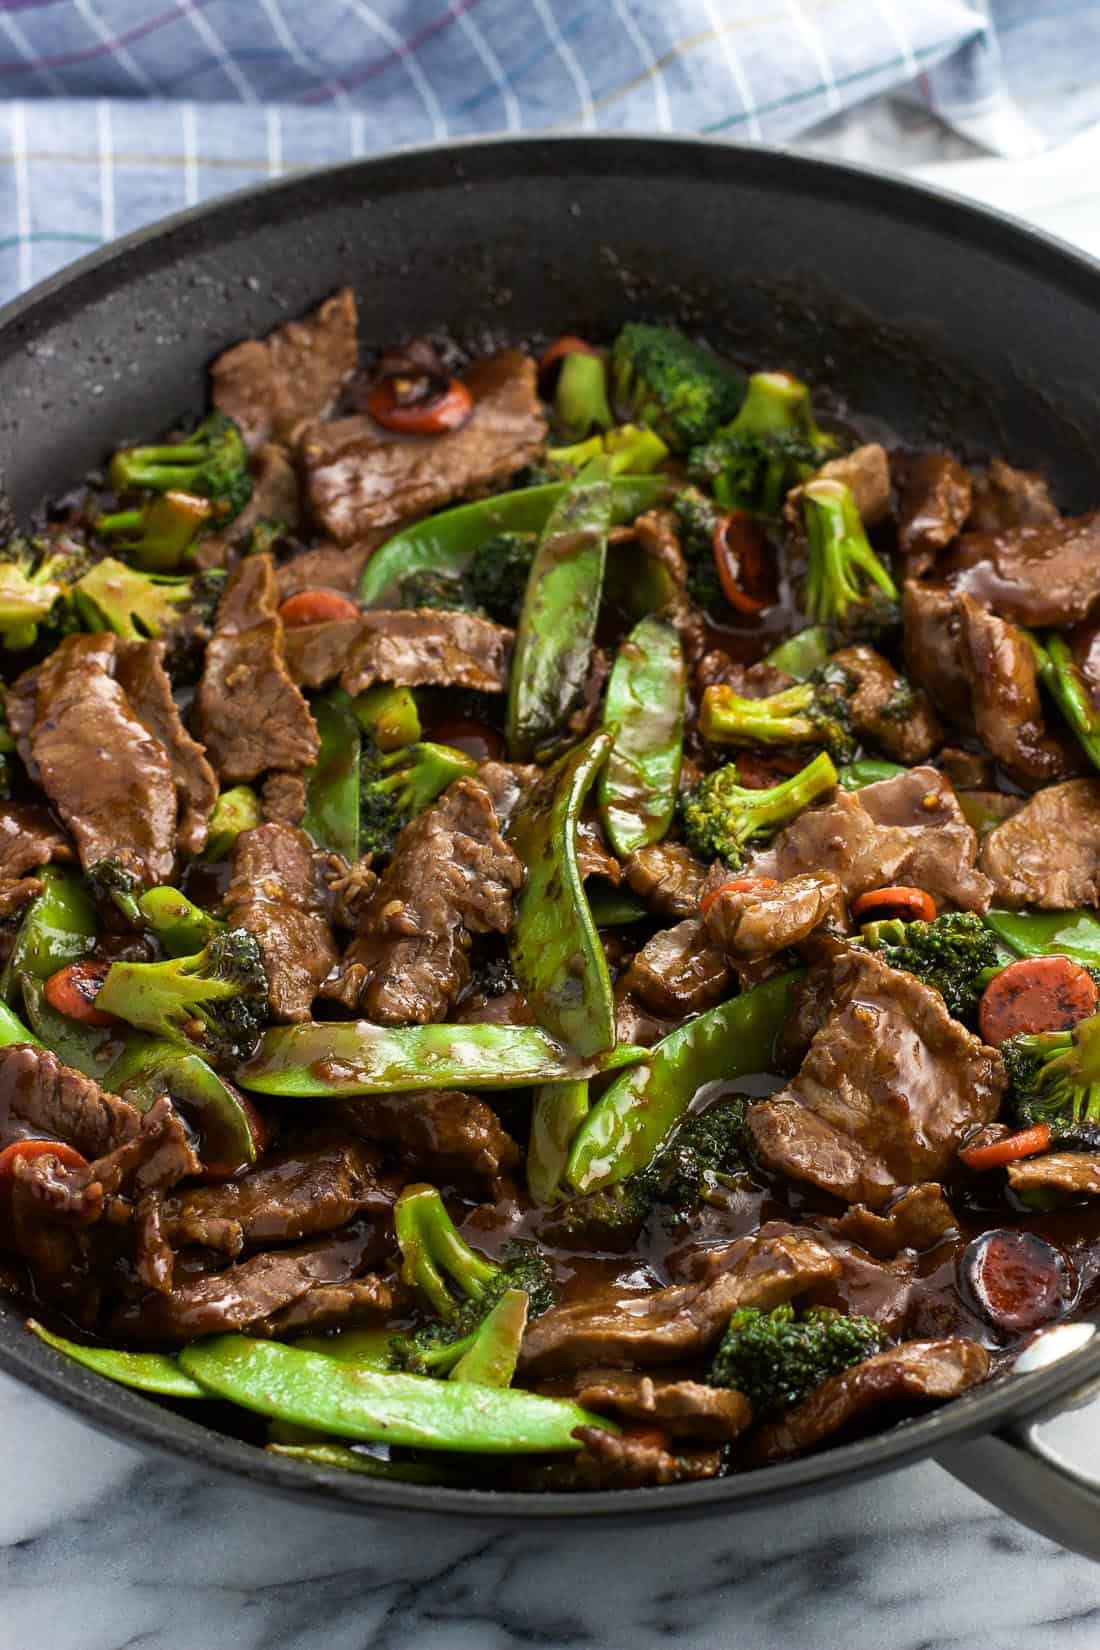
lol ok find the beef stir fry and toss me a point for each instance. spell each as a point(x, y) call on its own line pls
point(549, 913)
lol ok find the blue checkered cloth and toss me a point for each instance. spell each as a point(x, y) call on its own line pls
point(120, 111)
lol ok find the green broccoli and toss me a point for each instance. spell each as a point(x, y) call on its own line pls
point(770, 447)
point(216, 999)
point(394, 788)
point(159, 536)
point(388, 715)
point(459, 1286)
point(35, 582)
point(114, 888)
point(181, 926)
point(113, 596)
point(809, 713)
point(721, 817)
point(236, 810)
point(1054, 1078)
point(672, 384)
point(948, 953)
point(211, 462)
point(776, 1359)
point(846, 584)
point(428, 587)
point(497, 574)
point(580, 396)
point(628, 449)
point(1071, 691)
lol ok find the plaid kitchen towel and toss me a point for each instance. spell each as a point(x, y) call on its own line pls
point(120, 111)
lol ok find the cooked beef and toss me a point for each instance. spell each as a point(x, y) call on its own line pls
point(351, 888)
point(333, 1306)
point(1035, 576)
point(886, 710)
point(904, 1377)
point(29, 839)
point(934, 498)
point(1009, 717)
point(680, 970)
point(506, 783)
point(158, 1156)
point(888, 1091)
point(1048, 854)
point(317, 653)
point(271, 386)
point(1004, 498)
point(283, 799)
point(658, 538)
point(429, 646)
point(16, 893)
point(866, 471)
point(667, 1325)
point(441, 1132)
point(336, 567)
point(757, 922)
point(933, 653)
point(360, 477)
point(908, 829)
point(278, 893)
point(967, 770)
point(919, 1219)
point(40, 1097)
point(634, 1023)
point(683, 1409)
point(667, 877)
point(275, 494)
point(1075, 1173)
point(610, 1461)
point(452, 875)
point(144, 680)
point(249, 714)
point(108, 777)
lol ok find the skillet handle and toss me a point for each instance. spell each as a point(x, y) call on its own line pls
point(1032, 1469)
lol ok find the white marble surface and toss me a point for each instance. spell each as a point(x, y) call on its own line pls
point(102, 1548)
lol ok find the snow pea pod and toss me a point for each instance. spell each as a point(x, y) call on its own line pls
point(492, 1359)
point(147, 1371)
point(149, 1066)
point(557, 623)
point(614, 907)
point(556, 953)
point(330, 1059)
point(350, 1460)
point(557, 1113)
point(12, 1029)
point(59, 928)
point(631, 1118)
point(868, 771)
point(1073, 934)
point(801, 654)
point(380, 1407)
point(446, 542)
point(332, 785)
point(645, 702)
point(181, 926)
point(89, 1049)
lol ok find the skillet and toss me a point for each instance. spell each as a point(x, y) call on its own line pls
point(933, 317)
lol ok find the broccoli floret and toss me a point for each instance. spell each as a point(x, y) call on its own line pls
point(159, 536)
point(114, 888)
point(458, 1285)
point(212, 463)
point(948, 953)
point(580, 396)
point(721, 817)
point(846, 584)
point(776, 1359)
point(216, 998)
point(394, 788)
point(35, 581)
point(672, 384)
point(181, 926)
point(236, 810)
point(112, 596)
point(428, 587)
point(810, 713)
point(629, 449)
point(1071, 691)
point(1054, 1078)
point(388, 715)
point(770, 446)
point(497, 574)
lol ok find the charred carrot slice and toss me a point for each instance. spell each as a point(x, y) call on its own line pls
point(741, 558)
point(412, 406)
point(1027, 1143)
point(72, 991)
point(67, 1155)
point(316, 607)
point(742, 885)
point(1036, 994)
point(911, 903)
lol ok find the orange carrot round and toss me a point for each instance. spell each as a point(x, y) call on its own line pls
point(901, 901)
point(72, 991)
point(399, 404)
point(67, 1155)
point(1026, 1143)
point(1036, 994)
point(316, 607)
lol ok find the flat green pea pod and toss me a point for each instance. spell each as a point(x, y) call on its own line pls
point(1073, 934)
point(147, 1371)
point(369, 1466)
point(557, 1112)
point(58, 929)
point(614, 907)
point(333, 1059)
point(854, 775)
point(181, 926)
point(557, 622)
point(332, 784)
point(90, 1049)
point(148, 1066)
point(492, 1359)
point(12, 1029)
point(645, 704)
point(372, 1348)
point(379, 1407)
point(801, 654)
point(445, 543)
point(556, 953)
point(625, 1127)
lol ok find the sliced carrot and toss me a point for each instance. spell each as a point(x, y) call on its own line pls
point(399, 404)
point(72, 991)
point(67, 1155)
point(741, 557)
point(1036, 994)
point(911, 903)
point(554, 354)
point(316, 607)
point(742, 885)
point(1027, 1143)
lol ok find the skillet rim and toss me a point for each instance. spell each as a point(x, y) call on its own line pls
point(135, 1418)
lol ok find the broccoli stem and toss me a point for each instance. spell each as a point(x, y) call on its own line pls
point(727, 719)
point(431, 1246)
point(580, 399)
point(841, 563)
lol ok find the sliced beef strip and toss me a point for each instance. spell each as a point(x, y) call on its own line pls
point(41, 1097)
point(15, 893)
point(29, 839)
point(506, 783)
point(1009, 715)
point(317, 654)
point(594, 857)
point(275, 495)
point(337, 567)
point(757, 922)
point(327, 1306)
point(359, 477)
point(683, 1409)
point(249, 714)
point(866, 471)
point(157, 1157)
point(634, 1023)
point(667, 877)
point(1005, 498)
point(1075, 1173)
point(146, 683)
point(110, 780)
point(623, 1462)
point(279, 894)
point(680, 970)
point(1035, 576)
point(886, 710)
point(904, 1377)
point(351, 889)
point(933, 654)
point(429, 646)
point(680, 1322)
point(452, 875)
point(271, 386)
point(934, 499)
point(908, 829)
point(918, 1219)
point(967, 770)
point(656, 532)
point(889, 1089)
point(283, 799)
point(1048, 854)
point(441, 1132)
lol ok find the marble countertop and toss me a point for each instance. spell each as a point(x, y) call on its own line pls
point(103, 1548)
